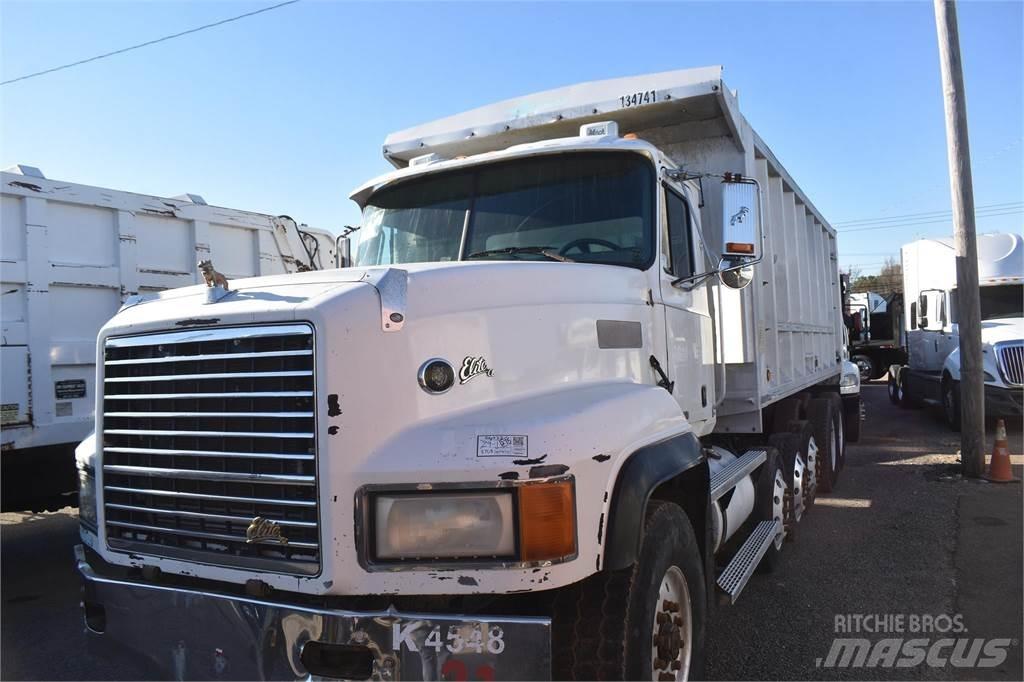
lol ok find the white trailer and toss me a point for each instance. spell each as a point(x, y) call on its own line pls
point(70, 256)
point(582, 370)
point(932, 373)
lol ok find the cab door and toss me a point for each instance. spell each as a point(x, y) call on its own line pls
point(688, 324)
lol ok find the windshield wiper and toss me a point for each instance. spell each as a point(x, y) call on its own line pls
point(545, 251)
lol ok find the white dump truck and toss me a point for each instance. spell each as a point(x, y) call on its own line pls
point(579, 376)
point(932, 373)
point(70, 256)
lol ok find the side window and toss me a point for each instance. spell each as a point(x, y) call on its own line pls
point(913, 314)
point(679, 235)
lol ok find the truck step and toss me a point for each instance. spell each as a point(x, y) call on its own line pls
point(726, 479)
point(735, 576)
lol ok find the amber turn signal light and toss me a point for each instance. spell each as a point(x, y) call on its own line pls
point(547, 521)
point(739, 247)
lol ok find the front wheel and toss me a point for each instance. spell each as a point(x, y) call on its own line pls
point(646, 622)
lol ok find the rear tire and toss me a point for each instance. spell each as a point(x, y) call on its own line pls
point(769, 503)
point(866, 366)
point(794, 470)
point(894, 389)
point(605, 626)
point(819, 414)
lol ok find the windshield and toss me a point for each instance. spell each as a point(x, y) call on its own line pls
point(594, 207)
point(998, 301)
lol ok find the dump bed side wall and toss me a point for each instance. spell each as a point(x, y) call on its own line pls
point(783, 333)
point(69, 257)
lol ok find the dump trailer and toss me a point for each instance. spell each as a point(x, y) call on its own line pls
point(931, 375)
point(578, 379)
point(70, 256)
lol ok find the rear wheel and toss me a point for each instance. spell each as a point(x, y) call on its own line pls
point(839, 432)
point(770, 504)
point(797, 475)
point(823, 425)
point(866, 366)
point(643, 622)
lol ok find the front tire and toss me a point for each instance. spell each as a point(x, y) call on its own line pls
point(626, 625)
point(823, 425)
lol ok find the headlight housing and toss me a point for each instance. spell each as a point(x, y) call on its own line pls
point(849, 382)
point(520, 523)
point(85, 455)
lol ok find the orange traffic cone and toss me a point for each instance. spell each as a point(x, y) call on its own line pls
point(999, 466)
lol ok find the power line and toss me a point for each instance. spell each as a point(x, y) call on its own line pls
point(148, 43)
point(930, 222)
point(927, 214)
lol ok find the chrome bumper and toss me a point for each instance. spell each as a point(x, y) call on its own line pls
point(193, 634)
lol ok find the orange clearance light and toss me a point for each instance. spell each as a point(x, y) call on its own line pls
point(630, 136)
point(737, 247)
point(547, 521)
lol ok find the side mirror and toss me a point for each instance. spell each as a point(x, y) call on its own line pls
point(344, 252)
point(741, 232)
point(741, 220)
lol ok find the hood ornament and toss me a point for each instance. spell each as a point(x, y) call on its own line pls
point(263, 530)
point(216, 284)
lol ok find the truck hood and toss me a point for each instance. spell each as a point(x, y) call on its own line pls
point(1005, 329)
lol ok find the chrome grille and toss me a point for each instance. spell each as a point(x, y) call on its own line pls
point(205, 430)
point(1011, 363)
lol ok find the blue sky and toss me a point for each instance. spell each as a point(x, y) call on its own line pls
point(285, 112)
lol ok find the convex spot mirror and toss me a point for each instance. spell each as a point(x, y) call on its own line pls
point(735, 275)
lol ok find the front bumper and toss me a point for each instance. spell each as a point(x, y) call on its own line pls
point(196, 634)
point(1003, 402)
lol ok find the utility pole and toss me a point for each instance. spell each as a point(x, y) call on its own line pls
point(972, 386)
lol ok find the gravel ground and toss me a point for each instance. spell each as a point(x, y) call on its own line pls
point(902, 534)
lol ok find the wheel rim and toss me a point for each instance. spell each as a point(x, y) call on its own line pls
point(672, 643)
point(799, 487)
point(811, 471)
point(779, 505)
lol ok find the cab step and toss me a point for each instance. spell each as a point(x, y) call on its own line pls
point(735, 576)
point(726, 479)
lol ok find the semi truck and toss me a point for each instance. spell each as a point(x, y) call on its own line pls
point(875, 324)
point(70, 256)
point(932, 373)
point(579, 378)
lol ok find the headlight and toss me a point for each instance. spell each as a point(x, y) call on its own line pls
point(454, 525)
point(87, 499)
point(849, 384)
point(528, 523)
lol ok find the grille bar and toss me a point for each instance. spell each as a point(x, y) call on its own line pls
point(197, 534)
point(206, 515)
point(211, 453)
point(218, 429)
point(198, 475)
point(198, 377)
point(201, 496)
point(212, 356)
point(214, 434)
point(240, 394)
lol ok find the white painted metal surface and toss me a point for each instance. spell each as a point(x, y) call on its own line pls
point(71, 254)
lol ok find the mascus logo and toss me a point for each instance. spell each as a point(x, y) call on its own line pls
point(263, 530)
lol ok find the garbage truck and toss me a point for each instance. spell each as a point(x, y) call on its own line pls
point(577, 380)
point(70, 255)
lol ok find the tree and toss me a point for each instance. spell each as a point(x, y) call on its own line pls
point(888, 280)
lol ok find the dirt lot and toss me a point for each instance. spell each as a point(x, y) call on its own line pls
point(902, 535)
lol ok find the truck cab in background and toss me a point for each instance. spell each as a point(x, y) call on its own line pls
point(875, 325)
point(932, 372)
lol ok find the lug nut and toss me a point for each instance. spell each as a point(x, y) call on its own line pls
point(676, 665)
point(663, 618)
point(678, 621)
point(659, 664)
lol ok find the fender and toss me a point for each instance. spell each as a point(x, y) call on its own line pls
point(640, 475)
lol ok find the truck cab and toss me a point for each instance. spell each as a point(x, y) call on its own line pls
point(566, 393)
point(932, 374)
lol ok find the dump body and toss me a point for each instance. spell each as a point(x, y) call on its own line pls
point(72, 254)
point(778, 336)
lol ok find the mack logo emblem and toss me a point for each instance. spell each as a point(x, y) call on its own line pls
point(739, 215)
point(264, 530)
point(474, 366)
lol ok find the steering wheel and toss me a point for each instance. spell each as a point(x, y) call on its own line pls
point(584, 243)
